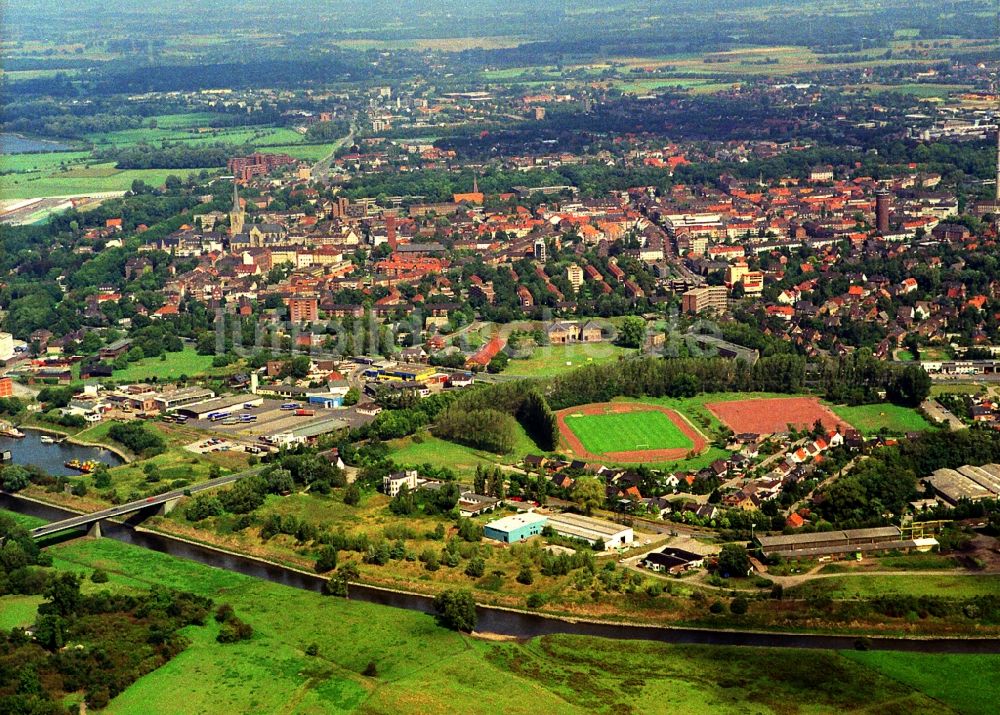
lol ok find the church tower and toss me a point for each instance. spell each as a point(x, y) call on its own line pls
point(237, 216)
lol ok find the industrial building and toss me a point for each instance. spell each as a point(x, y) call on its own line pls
point(589, 529)
point(514, 528)
point(169, 401)
point(967, 482)
point(836, 543)
point(201, 410)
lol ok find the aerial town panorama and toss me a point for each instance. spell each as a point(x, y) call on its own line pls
point(519, 357)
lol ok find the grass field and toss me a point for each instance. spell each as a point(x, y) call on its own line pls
point(967, 683)
point(956, 388)
point(871, 419)
point(18, 611)
point(40, 162)
point(428, 449)
point(627, 432)
point(76, 181)
point(425, 669)
point(307, 152)
point(550, 360)
point(186, 362)
point(869, 586)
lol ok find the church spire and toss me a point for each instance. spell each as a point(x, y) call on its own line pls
point(237, 217)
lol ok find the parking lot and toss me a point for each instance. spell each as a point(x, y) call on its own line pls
point(270, 419)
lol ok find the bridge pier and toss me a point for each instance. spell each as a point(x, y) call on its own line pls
point(167, 507)
point(95, 530)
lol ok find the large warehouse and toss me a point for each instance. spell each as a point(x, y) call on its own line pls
point(576, 526)
point(836, 543)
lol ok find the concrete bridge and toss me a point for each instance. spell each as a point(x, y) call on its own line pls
point(162, 503)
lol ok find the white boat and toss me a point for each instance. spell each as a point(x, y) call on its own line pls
point(45, 439)
point(12, 432)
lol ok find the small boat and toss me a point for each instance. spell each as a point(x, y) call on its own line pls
point(45, 439)
point(87, 467)
point(12, 432)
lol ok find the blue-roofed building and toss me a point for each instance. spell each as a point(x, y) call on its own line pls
point(517, 527)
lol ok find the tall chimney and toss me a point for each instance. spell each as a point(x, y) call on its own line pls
point(390, 230)
point(882, 211)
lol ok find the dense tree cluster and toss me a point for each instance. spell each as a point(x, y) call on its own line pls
point(861, 378)
point(137, 437)
point(179, 155)
point(681, 377)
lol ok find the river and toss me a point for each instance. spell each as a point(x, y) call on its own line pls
point(52, 457)
point(497, 620)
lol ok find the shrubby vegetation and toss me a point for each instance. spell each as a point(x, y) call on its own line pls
point(122, 637)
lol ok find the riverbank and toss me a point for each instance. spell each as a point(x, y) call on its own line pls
point(314, 653)
point(511, 621)
point(119, 452)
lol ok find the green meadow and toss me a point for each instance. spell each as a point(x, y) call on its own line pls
point(414, 666)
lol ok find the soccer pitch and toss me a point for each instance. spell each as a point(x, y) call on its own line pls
point(627, 432)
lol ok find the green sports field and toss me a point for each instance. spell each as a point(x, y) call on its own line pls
point(627, 432)
point(871, 419)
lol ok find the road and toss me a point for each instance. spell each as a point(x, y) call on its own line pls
point(937, 412)
point(321, 169)
point(123, 509)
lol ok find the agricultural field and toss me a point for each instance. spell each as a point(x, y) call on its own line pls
point(47, 161)
point(75, 173)
point(628, 432)
point(922, 90)
point(643, 86)
point(872, 419)
point(197, 135)
point(549, 360)
point(771, 415)
point(421, 667)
